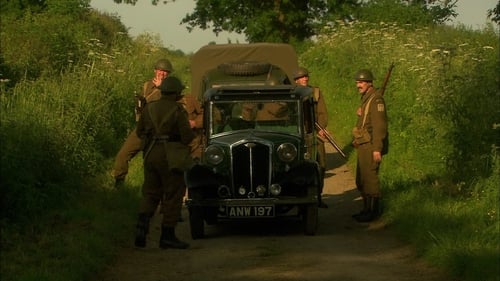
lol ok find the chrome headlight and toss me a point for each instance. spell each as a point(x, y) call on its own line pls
point(214, 155)
point(287, 152)
point(275, 189)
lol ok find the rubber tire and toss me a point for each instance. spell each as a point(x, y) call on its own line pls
point(245, 68)
point(310, 219)
point(211, 215)
point(196, 222)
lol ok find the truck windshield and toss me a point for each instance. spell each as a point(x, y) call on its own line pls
point(262, 115)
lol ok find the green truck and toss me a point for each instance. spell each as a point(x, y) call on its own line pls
point(259, 159)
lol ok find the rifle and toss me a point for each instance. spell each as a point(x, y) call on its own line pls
point(330, 140)
point(140, 101)
point(386, 79)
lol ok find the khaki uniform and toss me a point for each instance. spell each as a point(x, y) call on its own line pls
point(132, 144)
point(161, 184)
point(264, 112)
point(321, 114)
point(195, 113)
point(367, 180)
point(322, 119)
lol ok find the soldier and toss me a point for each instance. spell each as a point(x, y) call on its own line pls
point(370, 138)
point(162, 124)
point(151, 92)
point(132, 144)
point(195, 115)
point(301, 77)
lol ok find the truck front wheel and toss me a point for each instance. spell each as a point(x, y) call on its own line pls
point(196, 222)
point(310, 219)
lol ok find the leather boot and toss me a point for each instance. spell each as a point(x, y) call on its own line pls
point(373, 211)
point(169, 240)
point(142, 230)
point(364, 210)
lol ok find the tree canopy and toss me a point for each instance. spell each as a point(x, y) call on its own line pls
point(295, 20)
point(494, 13)
point(270, 21)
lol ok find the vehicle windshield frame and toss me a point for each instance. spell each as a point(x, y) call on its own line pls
point(291, 124)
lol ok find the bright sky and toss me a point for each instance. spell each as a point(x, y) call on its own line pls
point(164, 19)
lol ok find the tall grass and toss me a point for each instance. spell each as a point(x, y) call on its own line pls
point(440, 178)
point(59, 135)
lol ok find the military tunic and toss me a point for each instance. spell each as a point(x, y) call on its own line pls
point(195, 113)
point(322, 119)
point(161, 184)
point(132, 144)
point(367, 180)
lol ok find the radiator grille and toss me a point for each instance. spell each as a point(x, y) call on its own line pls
point(251, 167)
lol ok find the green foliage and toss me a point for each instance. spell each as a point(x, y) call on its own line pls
point(440, 178)
point(264, 21)
point(72, 123)
point(459, 235)
point(70, 105)
point(29, 51)
point(395, 11)
point(16, 8)
point(494, 13)
point(58, 133)
point(436, 92)
point(417, 13)
point(70, 243)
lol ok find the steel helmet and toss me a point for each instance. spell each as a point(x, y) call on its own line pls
point(171, 85)
point(364, 75)
point(300, 72)
point(163, 64)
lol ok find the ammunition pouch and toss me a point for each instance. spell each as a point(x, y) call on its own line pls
point(361, 135)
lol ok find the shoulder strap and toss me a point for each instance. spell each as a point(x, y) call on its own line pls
point(316, 93)
point(367, 108)
point(165, 118)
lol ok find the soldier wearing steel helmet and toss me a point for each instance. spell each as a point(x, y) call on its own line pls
point(301, 77)
point(370, 138)
point(162, 123)
point(151, 92)
point(132, 144)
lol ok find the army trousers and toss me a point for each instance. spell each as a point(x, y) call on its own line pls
point(129, 150)
point(321, 153)
point(367, 180)
point(161, 185)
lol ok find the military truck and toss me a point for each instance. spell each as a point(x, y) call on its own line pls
point(259, 159)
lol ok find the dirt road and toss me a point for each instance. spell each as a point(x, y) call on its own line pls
point(342, 250)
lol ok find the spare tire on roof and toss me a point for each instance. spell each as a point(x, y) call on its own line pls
point(244, 68)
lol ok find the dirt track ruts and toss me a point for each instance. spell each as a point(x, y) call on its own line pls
point(342, 250)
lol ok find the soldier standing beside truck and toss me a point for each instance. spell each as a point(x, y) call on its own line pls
point(370, 138)
point(301, 77)
point(132, 144)
point(151, 92)
point(165, 133)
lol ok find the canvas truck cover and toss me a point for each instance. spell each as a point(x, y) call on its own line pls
point(211, 56)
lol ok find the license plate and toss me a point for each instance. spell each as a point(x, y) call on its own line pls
point(250, 211)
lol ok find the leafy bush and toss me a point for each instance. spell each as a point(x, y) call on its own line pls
point(440, 178)
point(442, 100)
